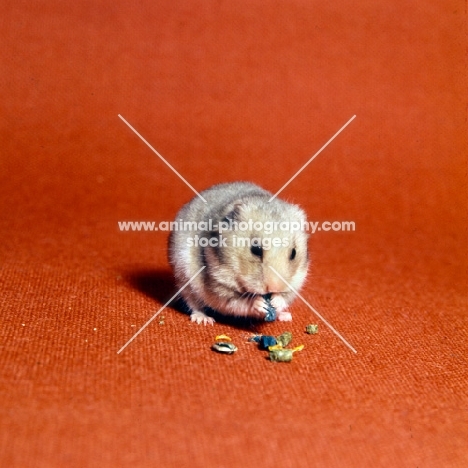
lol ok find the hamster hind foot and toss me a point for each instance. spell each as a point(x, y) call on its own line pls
point(200, 317)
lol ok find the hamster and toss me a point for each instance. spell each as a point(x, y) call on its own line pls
point(237, 256)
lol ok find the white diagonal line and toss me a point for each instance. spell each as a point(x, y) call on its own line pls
point(160, 310)
point(316, 313)
point(162, 159)
point(312, 158)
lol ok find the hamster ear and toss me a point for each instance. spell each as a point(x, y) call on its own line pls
point(234, 210)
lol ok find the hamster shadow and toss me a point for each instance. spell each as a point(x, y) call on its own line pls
point(155, 284)
point(160, 286)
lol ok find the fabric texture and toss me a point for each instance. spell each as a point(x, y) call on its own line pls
point(225, 91)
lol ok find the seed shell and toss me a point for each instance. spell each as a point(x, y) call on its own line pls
point(224, 347)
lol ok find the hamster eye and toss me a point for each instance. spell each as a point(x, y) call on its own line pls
point(293, 254)
point(257, 251)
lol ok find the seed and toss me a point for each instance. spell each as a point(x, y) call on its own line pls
point(284, 339)
point(266, 341)
point(281, 355)
point(224, 347)
point(271, 311)
point(223, 337)
point(312, 329)
point(255, 338)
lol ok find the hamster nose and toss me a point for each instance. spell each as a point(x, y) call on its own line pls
point(275, 286)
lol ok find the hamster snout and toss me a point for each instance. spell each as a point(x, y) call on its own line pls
point(248, 247)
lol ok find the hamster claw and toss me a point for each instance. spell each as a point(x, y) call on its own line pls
point(284, 316)
point(200, 317)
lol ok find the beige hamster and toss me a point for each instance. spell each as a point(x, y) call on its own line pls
point(237, 257)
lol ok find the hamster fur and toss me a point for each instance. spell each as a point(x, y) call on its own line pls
point(236, 276)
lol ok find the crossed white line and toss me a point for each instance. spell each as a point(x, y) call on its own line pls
point(272, 198)
point(162, 159)
point(312, 158)
point(314, 311)
point(160, 310)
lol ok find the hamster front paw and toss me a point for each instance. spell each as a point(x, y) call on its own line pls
point(279, 303)
point(281, 306)
point(200, 317)
point(259, 307)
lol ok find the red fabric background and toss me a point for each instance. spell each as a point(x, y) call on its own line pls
point(244, 90)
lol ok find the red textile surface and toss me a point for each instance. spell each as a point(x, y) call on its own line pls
point(244, 90)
